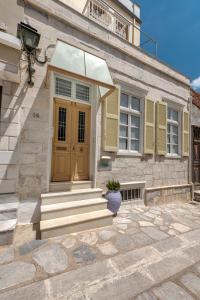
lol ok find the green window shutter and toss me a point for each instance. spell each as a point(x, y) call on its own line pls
point(149, 127)
point(111, 111)
point(185, 134)
point(161, 128)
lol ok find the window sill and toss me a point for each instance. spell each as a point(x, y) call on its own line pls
point(173, 156)
point(132, 154)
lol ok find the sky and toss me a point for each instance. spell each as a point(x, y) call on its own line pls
point(175, 24)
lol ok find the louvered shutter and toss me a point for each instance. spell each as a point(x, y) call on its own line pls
point(185, 134)
point(111, 121)
point(161, 128)
point(149, 127)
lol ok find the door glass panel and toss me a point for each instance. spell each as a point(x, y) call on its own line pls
point(81, 127)
point(62, 114)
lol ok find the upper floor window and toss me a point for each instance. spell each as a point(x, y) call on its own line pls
point(172, 131)
point(130, 123)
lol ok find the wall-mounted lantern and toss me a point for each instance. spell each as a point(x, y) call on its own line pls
point(30, 39)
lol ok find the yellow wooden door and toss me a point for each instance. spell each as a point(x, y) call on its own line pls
point(71, 142)
point(61, 162)
point(81, 143)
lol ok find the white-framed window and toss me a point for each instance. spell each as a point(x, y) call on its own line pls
point(130, 123)
point(173, 131)
point(70, 88)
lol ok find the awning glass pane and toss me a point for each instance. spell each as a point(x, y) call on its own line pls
point(69, 58)
point(97, 68)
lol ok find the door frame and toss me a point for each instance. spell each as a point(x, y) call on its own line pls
point(93, 128)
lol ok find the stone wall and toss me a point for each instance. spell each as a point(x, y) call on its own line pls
point(9, 134)
point(163, 195)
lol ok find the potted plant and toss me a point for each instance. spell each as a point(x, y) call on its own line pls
point(113, 196)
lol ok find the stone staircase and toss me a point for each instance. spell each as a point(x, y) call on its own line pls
point(79, 209)
point(8, 218)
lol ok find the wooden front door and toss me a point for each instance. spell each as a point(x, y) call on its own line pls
point(71, 142)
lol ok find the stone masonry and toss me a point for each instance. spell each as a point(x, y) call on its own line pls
point(27, 111)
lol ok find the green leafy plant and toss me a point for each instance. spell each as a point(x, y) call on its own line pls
point(113, 185)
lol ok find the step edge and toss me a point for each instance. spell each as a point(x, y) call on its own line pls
point(106, 215)
point(74, 192)
point(63, 205)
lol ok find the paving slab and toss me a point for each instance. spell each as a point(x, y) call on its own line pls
point(124, 242)
point(169, 244)
point(154, 233)
point(170, 290)
point(15, 273)
point(84, 253)
point(89, 238)
point(52, 258)
point(28, 247)
point(192, 283)
point(106, 235)
point(107, 248)
point(6, 254)
point(146, 296)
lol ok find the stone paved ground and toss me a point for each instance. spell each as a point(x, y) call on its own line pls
point(148, 253)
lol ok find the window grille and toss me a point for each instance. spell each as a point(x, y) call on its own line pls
point(62, 114)
point(81, 127)
point(82, 92)
point(63, 87)
point(131, 194)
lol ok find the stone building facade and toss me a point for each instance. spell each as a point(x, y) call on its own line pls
point(149, 155)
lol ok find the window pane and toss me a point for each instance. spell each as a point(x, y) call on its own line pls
point(175, 129)
point(123, 144)
point(175, 149)
point(124, 100)
point(168, 128)
point(168, 138)
point(135, 133)
point(175, 115)
point(168, 148)
point(135, 103)
point(123, 119)
point(135, 121)
point(123, 131)
point(175, 139)
point(134, 145)
point(172, 114)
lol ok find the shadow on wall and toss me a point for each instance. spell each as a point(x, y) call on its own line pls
point(24, 136)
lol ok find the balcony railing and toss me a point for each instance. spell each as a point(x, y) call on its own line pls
point(106, 16)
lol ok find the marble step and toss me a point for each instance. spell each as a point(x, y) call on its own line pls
point(59, 210)
point(69, 186)
point(77, 195)
point(76, 223)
